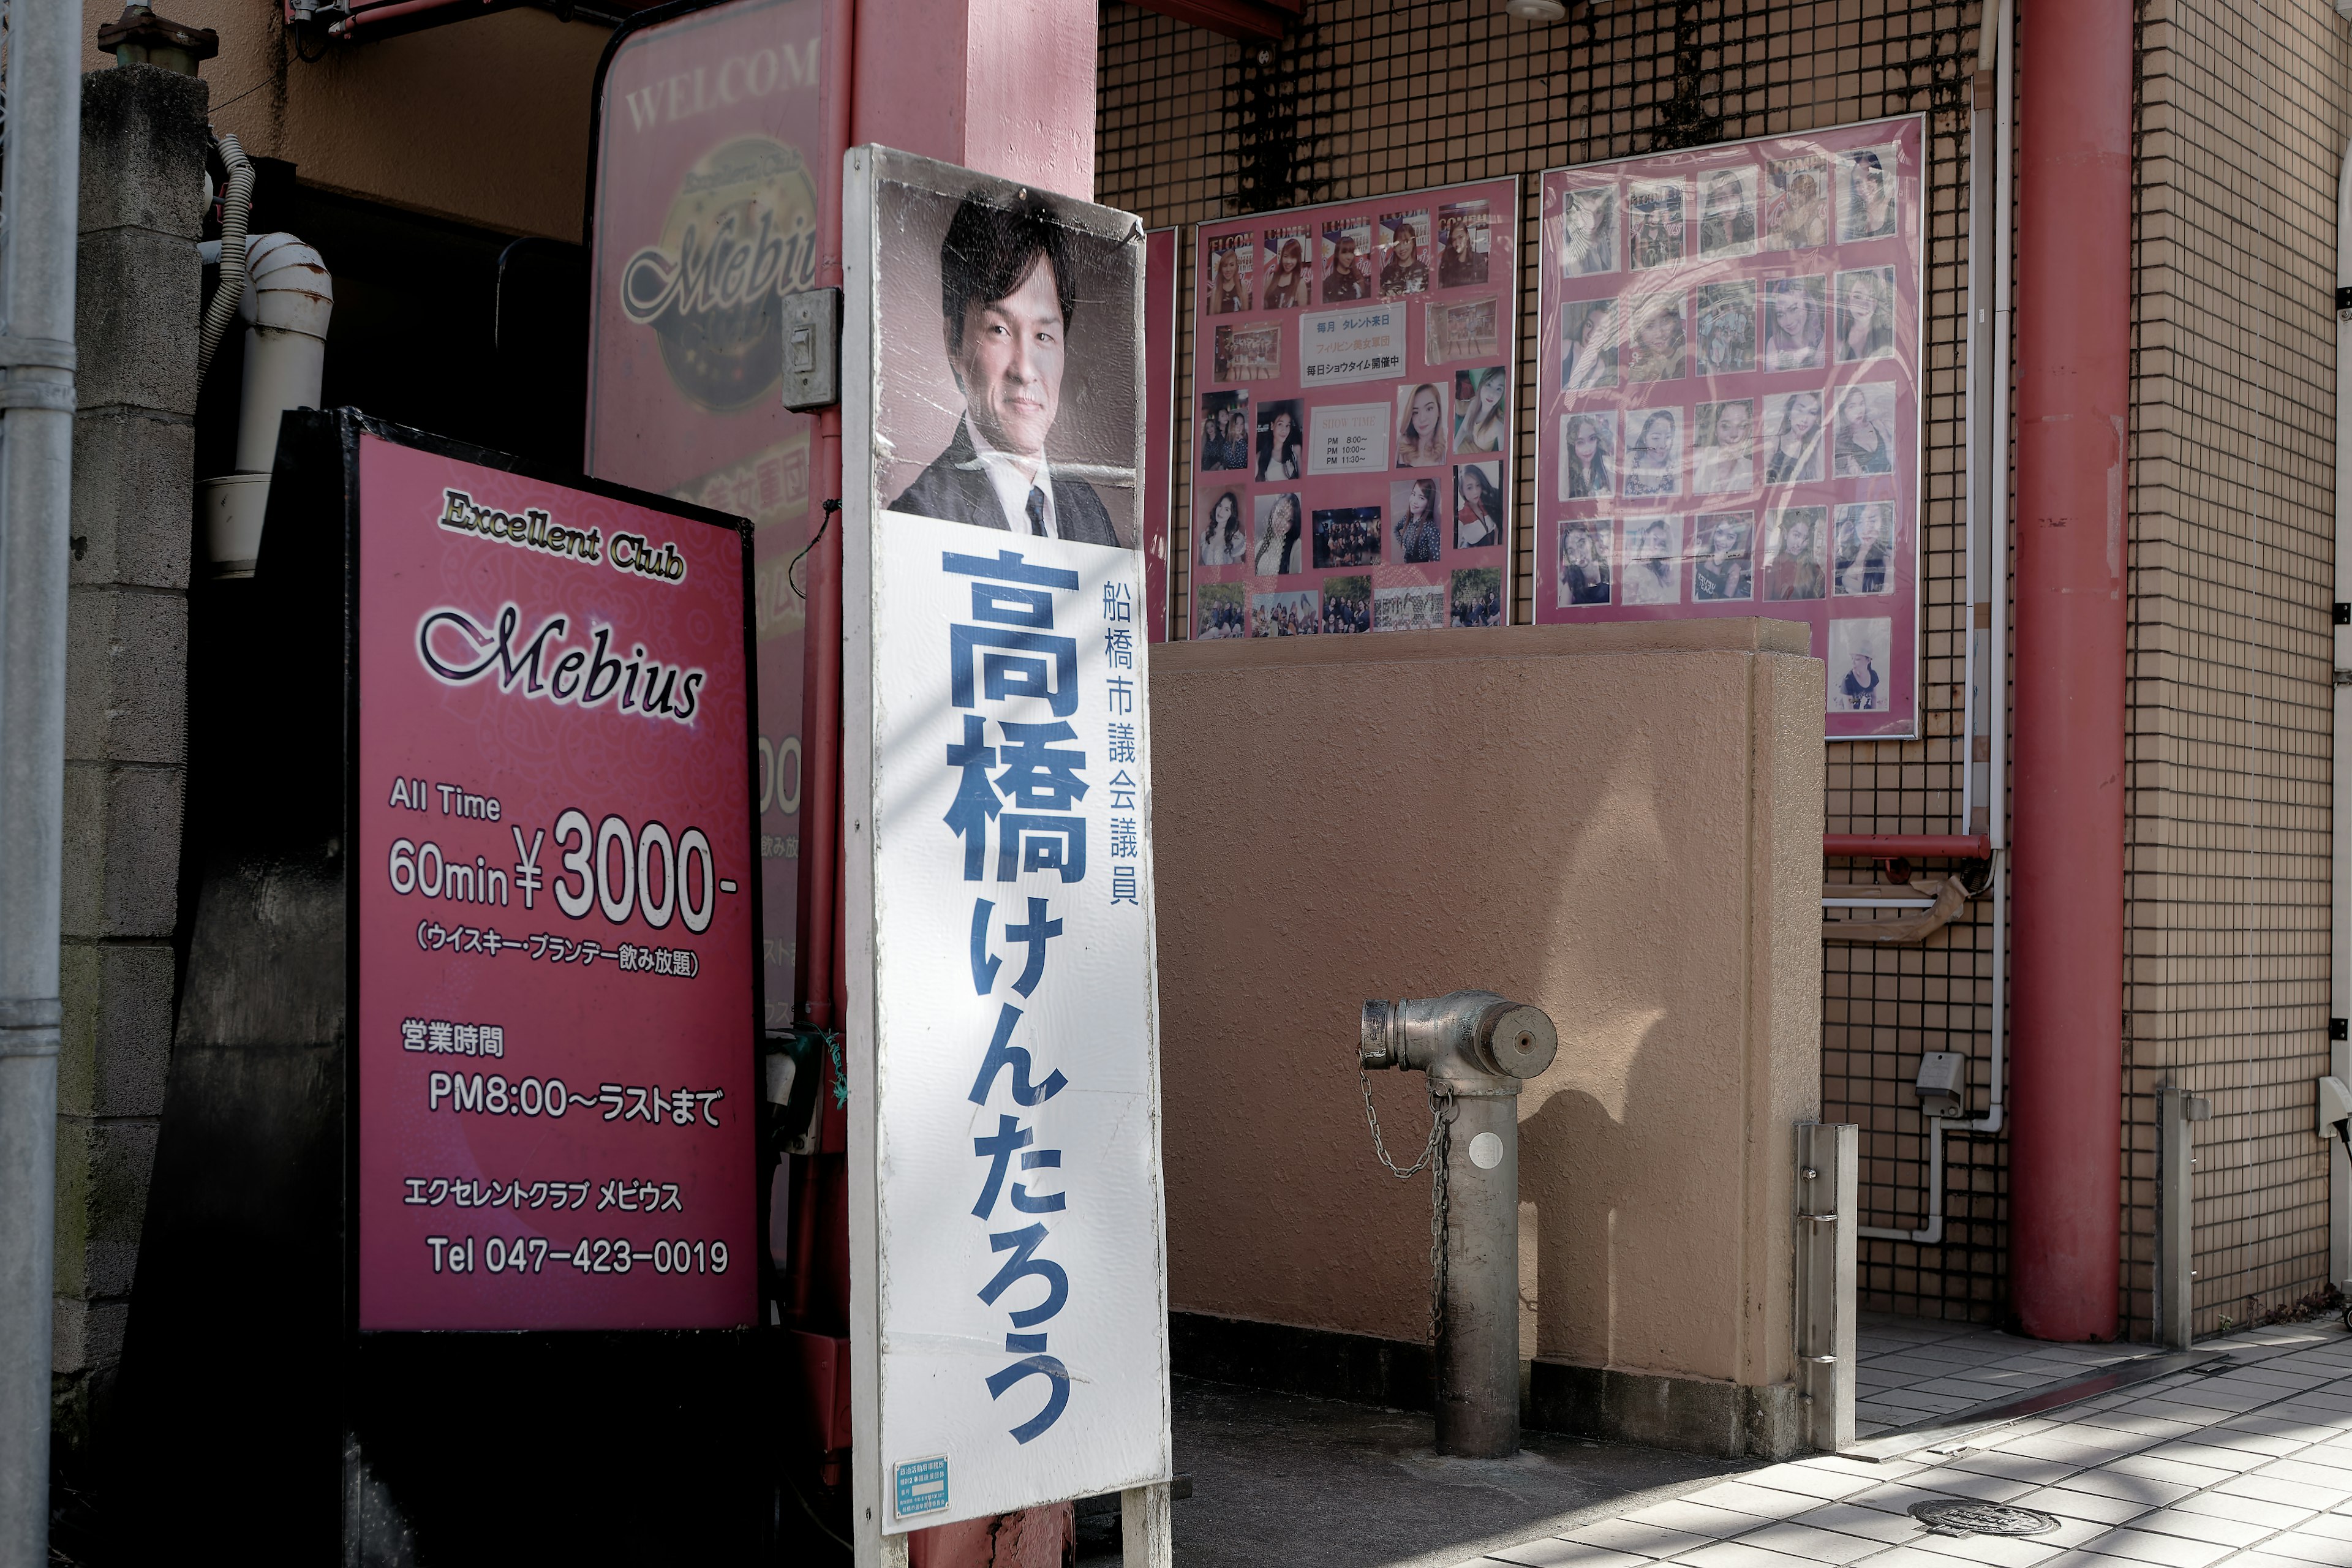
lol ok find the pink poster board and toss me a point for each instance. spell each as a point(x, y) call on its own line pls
point(1354, 423)
point(707, 194)
point(1729, 370)
point(555, 1022)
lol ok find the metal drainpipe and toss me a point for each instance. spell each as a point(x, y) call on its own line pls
point(41, 176)
point(1988, 575)
point(2339, 1052)
point(2073, 345)
point(1479, 1048)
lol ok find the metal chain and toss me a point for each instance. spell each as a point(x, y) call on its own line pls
point(1441, 1113)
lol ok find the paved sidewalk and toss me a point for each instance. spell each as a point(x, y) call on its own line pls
point(2249, 1466)
point(1909, 1370)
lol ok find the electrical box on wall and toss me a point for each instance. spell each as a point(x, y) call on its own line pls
point(1942, 1083)
point(811, 350)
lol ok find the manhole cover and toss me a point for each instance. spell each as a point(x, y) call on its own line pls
point(1962, 1517)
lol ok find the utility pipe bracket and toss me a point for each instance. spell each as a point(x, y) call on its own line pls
point(48, 353)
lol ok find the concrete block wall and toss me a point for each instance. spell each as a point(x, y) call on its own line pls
point(143, 197)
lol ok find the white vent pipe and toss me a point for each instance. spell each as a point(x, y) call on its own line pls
point(287, 301)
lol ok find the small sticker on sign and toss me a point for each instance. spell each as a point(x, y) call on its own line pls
point(921, 1486)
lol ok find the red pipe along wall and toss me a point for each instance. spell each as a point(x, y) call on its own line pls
point(2073, 388)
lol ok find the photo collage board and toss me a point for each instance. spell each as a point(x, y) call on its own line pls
point(1354, 417)
point(1728, 384)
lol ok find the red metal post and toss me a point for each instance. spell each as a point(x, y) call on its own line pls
point(820, 656)
point(2073, 388)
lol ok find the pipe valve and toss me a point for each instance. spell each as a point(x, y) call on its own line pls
point(1463, 1040)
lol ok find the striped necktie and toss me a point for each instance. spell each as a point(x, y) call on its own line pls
point(1037, 511)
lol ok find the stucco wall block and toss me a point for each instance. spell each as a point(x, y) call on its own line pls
point(128, 467)
point(126, 675)
point(1629, 839)
point(122, 851)
point(132, 525)
point(137, 290)
point(147, 170)
point(118, 1028)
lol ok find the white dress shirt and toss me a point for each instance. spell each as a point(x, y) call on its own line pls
point(1007, 476)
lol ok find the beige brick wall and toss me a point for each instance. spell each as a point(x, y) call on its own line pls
point(2244, 108)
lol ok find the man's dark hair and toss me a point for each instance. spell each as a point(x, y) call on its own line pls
point(990, 246)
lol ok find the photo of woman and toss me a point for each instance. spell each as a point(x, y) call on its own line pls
point(1406, 270)
point(1281, 535)
point(1477, 506)
point(1588, 328)
point(1589, 232)
point(1725, 460)
point(1726, 213)
point(1347, 263)
point(1723, 325)
point(1653, 466)
point(1480, 419)
point(1723, 569)
point(1224, 431)
point(1421, 426)
point(1225, 537)
point(1796, 205)
point(1587, 452)
point(1653, 554)
point(1659, 341)
point(1229, 285)
point(1865, 550)
point(1794, 419)
point(1864, 443)
point(1858, 665)
point(1287, 276)
point(1869, 209)
point(1861, 686)
point(1793, 323)
point(1419, 533)
point(1793, 569)
point(1462, 243)
point(1278, 436)
point(1654, 218)
point(1583, 563)
point(1865, 314)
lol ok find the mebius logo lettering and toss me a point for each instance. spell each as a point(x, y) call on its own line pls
point(535, 529)
point(459, 650)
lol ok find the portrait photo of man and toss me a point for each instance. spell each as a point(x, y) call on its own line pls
point(1014, 285)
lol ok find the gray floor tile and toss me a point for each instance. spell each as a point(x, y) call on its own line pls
point(1641, 1540)
point(1552, 1553)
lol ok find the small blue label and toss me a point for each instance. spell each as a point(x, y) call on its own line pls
point(922, 1485)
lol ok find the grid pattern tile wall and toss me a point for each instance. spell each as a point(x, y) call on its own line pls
point(2243, 116)
point(1364, 97)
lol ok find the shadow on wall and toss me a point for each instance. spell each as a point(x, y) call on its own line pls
point(1573, 831)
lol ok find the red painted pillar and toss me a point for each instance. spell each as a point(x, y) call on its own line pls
point(2073, 388)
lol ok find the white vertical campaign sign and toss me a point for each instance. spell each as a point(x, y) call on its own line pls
point(1008, 1296)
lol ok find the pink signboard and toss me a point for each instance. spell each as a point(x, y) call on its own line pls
point(707, 194)
point(555, 1023)
point(1729, 374)
point(1352, 442)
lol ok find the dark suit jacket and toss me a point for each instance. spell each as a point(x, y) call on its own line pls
point(955, 489)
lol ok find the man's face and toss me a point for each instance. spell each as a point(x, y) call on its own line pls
point(1010, 366)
